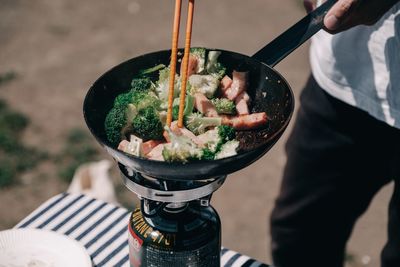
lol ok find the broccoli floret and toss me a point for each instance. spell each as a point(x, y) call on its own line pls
point(141, 84)
point(144, 99)
point(140, 95)
point(162, 86)
point(205, 84)
point(114, 123)
point(147, 124)
point(224, 106)
point(163, 75)
point(200, 54)
point(118, 120)
point(213, 66)
point(208, 154)
point(211, 140)
point(198, 124)
point(215, 139)
point(228, 149)
point(124, 99)
point(226, 133)
point(130, 113)
point(181, 149)
point(126, 108)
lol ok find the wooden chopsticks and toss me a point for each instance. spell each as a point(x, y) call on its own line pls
point(185, 61)
point(174, 51)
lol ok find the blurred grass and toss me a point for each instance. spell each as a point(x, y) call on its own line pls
point(7, 77)
point(78, 149)
point(15, 156)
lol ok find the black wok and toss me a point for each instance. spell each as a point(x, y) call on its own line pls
point(268, 90)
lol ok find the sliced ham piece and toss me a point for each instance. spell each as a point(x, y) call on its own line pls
point(156, 153)
point(206, 137)
point(192, 65)
point(239, 84)
point(149, 145)
point(241, 102)
point(204, 105)
point(246, 122)
point(189, 134)
point(201, 140)
point(226, 83)
point(166, 136)
point(123, 145)
point(180, 131)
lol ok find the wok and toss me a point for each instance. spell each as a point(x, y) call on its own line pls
point(268, 90)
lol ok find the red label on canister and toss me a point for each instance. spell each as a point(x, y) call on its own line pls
point(135, 245)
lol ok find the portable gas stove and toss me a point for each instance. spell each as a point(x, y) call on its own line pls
point(175, 224)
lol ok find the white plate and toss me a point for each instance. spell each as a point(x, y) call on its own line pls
point(40, 248)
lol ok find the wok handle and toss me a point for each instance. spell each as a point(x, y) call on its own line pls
point(287, 42)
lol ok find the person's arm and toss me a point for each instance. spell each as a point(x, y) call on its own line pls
point(346, 14)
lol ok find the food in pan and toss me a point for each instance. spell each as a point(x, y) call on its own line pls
point(216, 105)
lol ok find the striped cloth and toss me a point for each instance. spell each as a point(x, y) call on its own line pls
point(101, 228)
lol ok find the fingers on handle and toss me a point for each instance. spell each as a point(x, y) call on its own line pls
point(339, 13)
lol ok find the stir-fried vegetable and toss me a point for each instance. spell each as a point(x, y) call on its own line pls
point(216, 106)
point(224, 106)
point(213, 66)
point(181, 148)
point(189, 105)
point(114, 123)
point(205, 84)
point(151, 70)
point(162, 86)
point(200, 55)
point(134, 111)
point(228, 149)
point(198, 124)
point(214, 141)
point(147, 124)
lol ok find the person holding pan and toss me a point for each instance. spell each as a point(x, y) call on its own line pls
point(345, 145)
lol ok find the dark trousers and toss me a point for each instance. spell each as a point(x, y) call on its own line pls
point(339, 157)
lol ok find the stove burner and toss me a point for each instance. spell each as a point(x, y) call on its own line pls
point(175, 224)
point(150, 188)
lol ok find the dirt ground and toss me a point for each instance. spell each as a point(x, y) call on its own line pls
point(59, 47)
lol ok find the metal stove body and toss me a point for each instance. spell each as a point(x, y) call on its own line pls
point(175, 224)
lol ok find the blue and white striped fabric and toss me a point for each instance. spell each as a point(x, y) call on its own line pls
point(101, 228)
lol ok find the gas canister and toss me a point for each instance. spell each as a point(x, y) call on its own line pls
point(187, 236)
